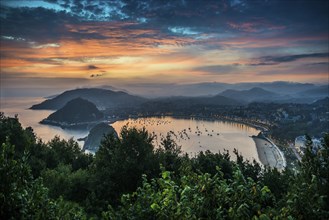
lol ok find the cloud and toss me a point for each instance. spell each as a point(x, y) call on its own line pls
point(318, 64)
point(134, 38)
point(48, 23)
point(95, 75)
point(274, 60)
point(217, 69)
point(92, 67)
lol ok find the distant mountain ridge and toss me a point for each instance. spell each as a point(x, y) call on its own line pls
point(252, 95)
point(258, 94)
point(212, 88)
point(102, 98)
point(176, 103)
point(207, 94)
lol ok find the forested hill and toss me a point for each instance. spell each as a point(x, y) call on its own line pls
point(102, 98)
point(76, 111)
point(252, 95)
point(177, 103)
point(96, 134)
point(129, 179)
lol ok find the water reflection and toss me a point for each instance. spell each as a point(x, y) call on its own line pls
point(27, 117)
point(195, 135)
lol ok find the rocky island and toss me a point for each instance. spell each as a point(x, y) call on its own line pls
point(96, 134)
point(77, 113)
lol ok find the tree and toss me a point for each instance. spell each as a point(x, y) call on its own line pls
point(10, 128)
point(120, 163)
point(196, 196)
point(307, 196)
point(21, 197)
point(64, 182)
point(169, 154)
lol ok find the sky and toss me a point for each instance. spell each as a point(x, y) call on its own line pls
point(59, 44)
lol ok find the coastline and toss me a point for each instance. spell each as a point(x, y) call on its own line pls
point(262, 128)
point(268, 153)
point(77, 125)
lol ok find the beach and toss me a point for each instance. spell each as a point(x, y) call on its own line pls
point(268, 153)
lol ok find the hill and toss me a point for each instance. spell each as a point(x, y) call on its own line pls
point(320, 92)
point(213, 88)
point(322, 102)
point(255, 94)
point(102, 98)
point(77, 111)
point(96, 134)
point(186, 103)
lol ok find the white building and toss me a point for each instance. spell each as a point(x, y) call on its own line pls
point(300, 143)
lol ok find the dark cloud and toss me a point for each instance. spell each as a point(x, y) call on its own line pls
point(318, 64)
point(95, 75)
point(92, 67)
point(286, 18)
point(42, 25)
point(274, 60)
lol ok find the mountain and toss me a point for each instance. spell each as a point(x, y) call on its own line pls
point(322, 102)
point(187, 103)
point(153, 90)
point(320, 92)
point(308, 96)
point(76, 112)
point(202, 100)
point(255, 94)
point(102, 98)
point(279, 87)
point(96, 134)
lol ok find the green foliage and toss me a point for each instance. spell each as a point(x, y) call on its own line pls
point(21, 197)
point(55, 180)
point(168, 154)
point(307, 197)
point(120, 163)
point(206, 162)
point(71, 185)
point(11, 129)
point(196, 196)
point(49, 155)
point(252, 170)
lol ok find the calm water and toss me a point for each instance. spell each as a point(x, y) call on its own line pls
point(195, 135)
point(191, 134)
point(27, 117)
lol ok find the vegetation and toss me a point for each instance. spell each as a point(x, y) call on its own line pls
point(129, 179)
point(92, 141)
point(76, 111)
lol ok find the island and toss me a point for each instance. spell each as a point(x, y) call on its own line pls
point(96, 134)
point(77, 113)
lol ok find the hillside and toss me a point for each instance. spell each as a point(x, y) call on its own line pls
point(102, 98)
point(251, 95)
point(321, 91)
point(322, 102)
point(213, 88)
point(95, 136)
point(75, 111)
point(187, 103)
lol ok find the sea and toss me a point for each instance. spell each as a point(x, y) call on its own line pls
point(192, 134)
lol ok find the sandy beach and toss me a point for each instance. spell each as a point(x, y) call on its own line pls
point(269, 154)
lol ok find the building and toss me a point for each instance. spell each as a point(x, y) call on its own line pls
point(300, 144)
